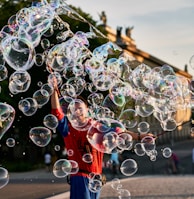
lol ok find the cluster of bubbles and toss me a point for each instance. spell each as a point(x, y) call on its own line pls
point(117, 186)
point(155, 91)
point(64, 167)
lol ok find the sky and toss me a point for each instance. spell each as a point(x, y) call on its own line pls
point(162, 28)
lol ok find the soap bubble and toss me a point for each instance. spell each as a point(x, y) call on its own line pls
point(19, 82)
point(28, 106)
point(7, 116)
point(166, 152)
point(129, 118)
point(62, 168)
point(50, 121)
point(143, 127)
point(124, 141)
point(128, 167)
point(4, 177)
point(148, 143)
point(74, 167)
point(124, 194)
point(139, 149)
point(40, 136)
point(18, 53)
point(41, 96)
point(116, 184)
point(87, 157)
point(3, 73)
point(103, 135)
point(10, 142)
point(95, 182)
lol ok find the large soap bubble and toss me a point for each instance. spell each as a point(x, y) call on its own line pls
point(124, 141)
point(41, 136)
point(103, 134)
point(28, 106)
point(19, 82)
point(148, 144)
point(62, 168)
point(129, 167)
point(18, 53)
point(7, 116)
point(41, 96)
point(129, 118)
point(50, 121)
point(4, 177)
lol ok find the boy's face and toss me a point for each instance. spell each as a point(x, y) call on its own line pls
point(80, 112)
point(77, 113)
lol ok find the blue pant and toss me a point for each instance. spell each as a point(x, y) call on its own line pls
point(79, 189)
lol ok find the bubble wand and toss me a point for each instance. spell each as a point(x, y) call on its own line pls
point(164, 132)
point(55, 81)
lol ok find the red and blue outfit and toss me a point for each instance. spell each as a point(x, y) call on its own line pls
point(77, 141)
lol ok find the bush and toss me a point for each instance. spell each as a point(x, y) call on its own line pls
point(19, 166)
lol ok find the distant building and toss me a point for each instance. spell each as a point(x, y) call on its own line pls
point(129, 46)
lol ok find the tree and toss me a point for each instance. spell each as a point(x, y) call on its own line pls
point(79, 21)
point(9, 8)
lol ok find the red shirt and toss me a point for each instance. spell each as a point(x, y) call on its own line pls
point(77, 141)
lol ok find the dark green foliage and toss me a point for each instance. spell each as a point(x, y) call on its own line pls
point(21, 166)
point(9, 8)
point(22, 124)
